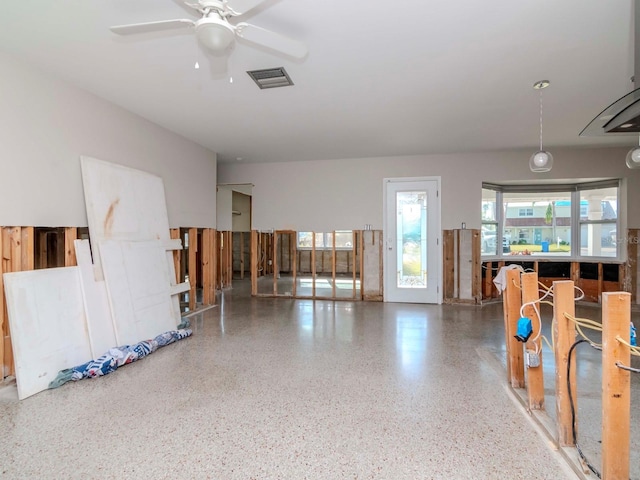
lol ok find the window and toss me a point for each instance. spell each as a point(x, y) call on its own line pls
point(598, 226)
point(324, 241)
point(569, 220)
point(489, 232)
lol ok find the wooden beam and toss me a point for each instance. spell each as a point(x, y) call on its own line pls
point(275, 265)
point(16, 249)
point(564, 332)
point(512, 298)
point(354, 242)
point(177, 255)
point(14, 265)
point(215, 280)
point(70, 236)
point(361, 248)
point(241, 255)
point(43, 248)
point(448, 246)
point(616, 389)
point(600, 281)
point(229, 258)
point(27, 248)
point(535, 377)
point(294, 256)
point(313, 264)
point(3, 318)
point(193, 267)
point(254, 262)
point(205, 259)
point(476, 267)
point(333, 264)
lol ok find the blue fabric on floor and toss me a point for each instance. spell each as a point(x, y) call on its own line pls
point(117, 357)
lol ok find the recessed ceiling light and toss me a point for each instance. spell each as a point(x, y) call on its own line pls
point(606, 117)
point(626, 125)
point(239, 159)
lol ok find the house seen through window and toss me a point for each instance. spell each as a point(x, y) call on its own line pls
point(576, 220)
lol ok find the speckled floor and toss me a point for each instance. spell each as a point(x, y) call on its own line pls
point(291, 389)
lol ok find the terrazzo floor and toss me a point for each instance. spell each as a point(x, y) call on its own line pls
point(273, 388)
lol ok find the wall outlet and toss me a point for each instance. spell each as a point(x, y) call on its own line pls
point(532, 359)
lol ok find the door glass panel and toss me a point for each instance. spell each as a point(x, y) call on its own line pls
point(411, 221)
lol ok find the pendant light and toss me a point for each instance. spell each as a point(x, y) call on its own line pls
point(633, 157)
point(541, 161)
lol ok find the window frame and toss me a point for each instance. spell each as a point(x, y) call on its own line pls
point(327, 241)
point(575, 190)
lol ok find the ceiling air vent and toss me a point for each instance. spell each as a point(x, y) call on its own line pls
point(271, 77)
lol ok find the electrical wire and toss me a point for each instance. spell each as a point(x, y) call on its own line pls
point(573, 411)
point(633, 349)
point(624, 367)
point(585, 322)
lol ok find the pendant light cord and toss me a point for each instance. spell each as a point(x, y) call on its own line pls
point(540, 91)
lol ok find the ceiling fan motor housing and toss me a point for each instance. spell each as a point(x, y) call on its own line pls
point(215, 33)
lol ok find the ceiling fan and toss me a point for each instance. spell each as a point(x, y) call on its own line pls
point(214, 31)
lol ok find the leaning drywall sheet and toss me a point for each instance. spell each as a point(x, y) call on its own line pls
point(139, 289)
point(48, 326)
point(122, 204)
point(96, 303)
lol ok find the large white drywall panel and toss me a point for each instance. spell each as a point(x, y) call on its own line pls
point(138, 285)
point(100, 327)
point(48, 327)
point(345, 194)
point(123, 204)
point(46, 124)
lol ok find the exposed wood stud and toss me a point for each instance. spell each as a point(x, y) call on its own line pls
point(174, 233)
point(205, 259)
point(193, 267)
point(616, 386)
point(513, 301)
point(3, 317)
point(70, 235)
point(564, 332)
point(254, 259)
point(535, 377)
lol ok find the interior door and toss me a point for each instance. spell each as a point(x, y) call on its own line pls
point(412, 240)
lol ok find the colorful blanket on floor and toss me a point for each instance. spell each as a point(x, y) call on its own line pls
point(117, 357)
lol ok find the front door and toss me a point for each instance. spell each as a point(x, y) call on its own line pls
point(412, 240)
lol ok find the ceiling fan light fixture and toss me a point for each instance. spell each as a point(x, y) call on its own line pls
point(215, 34)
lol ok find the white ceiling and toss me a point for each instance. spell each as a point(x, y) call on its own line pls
point(381, 78)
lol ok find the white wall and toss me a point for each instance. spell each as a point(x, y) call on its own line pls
point(224, 207)
point(242, 208)
point(344, 194)
point(46, 124)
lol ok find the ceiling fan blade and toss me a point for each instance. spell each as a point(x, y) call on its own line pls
point(152, 26)
point(271, 40)
point(243, 6)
